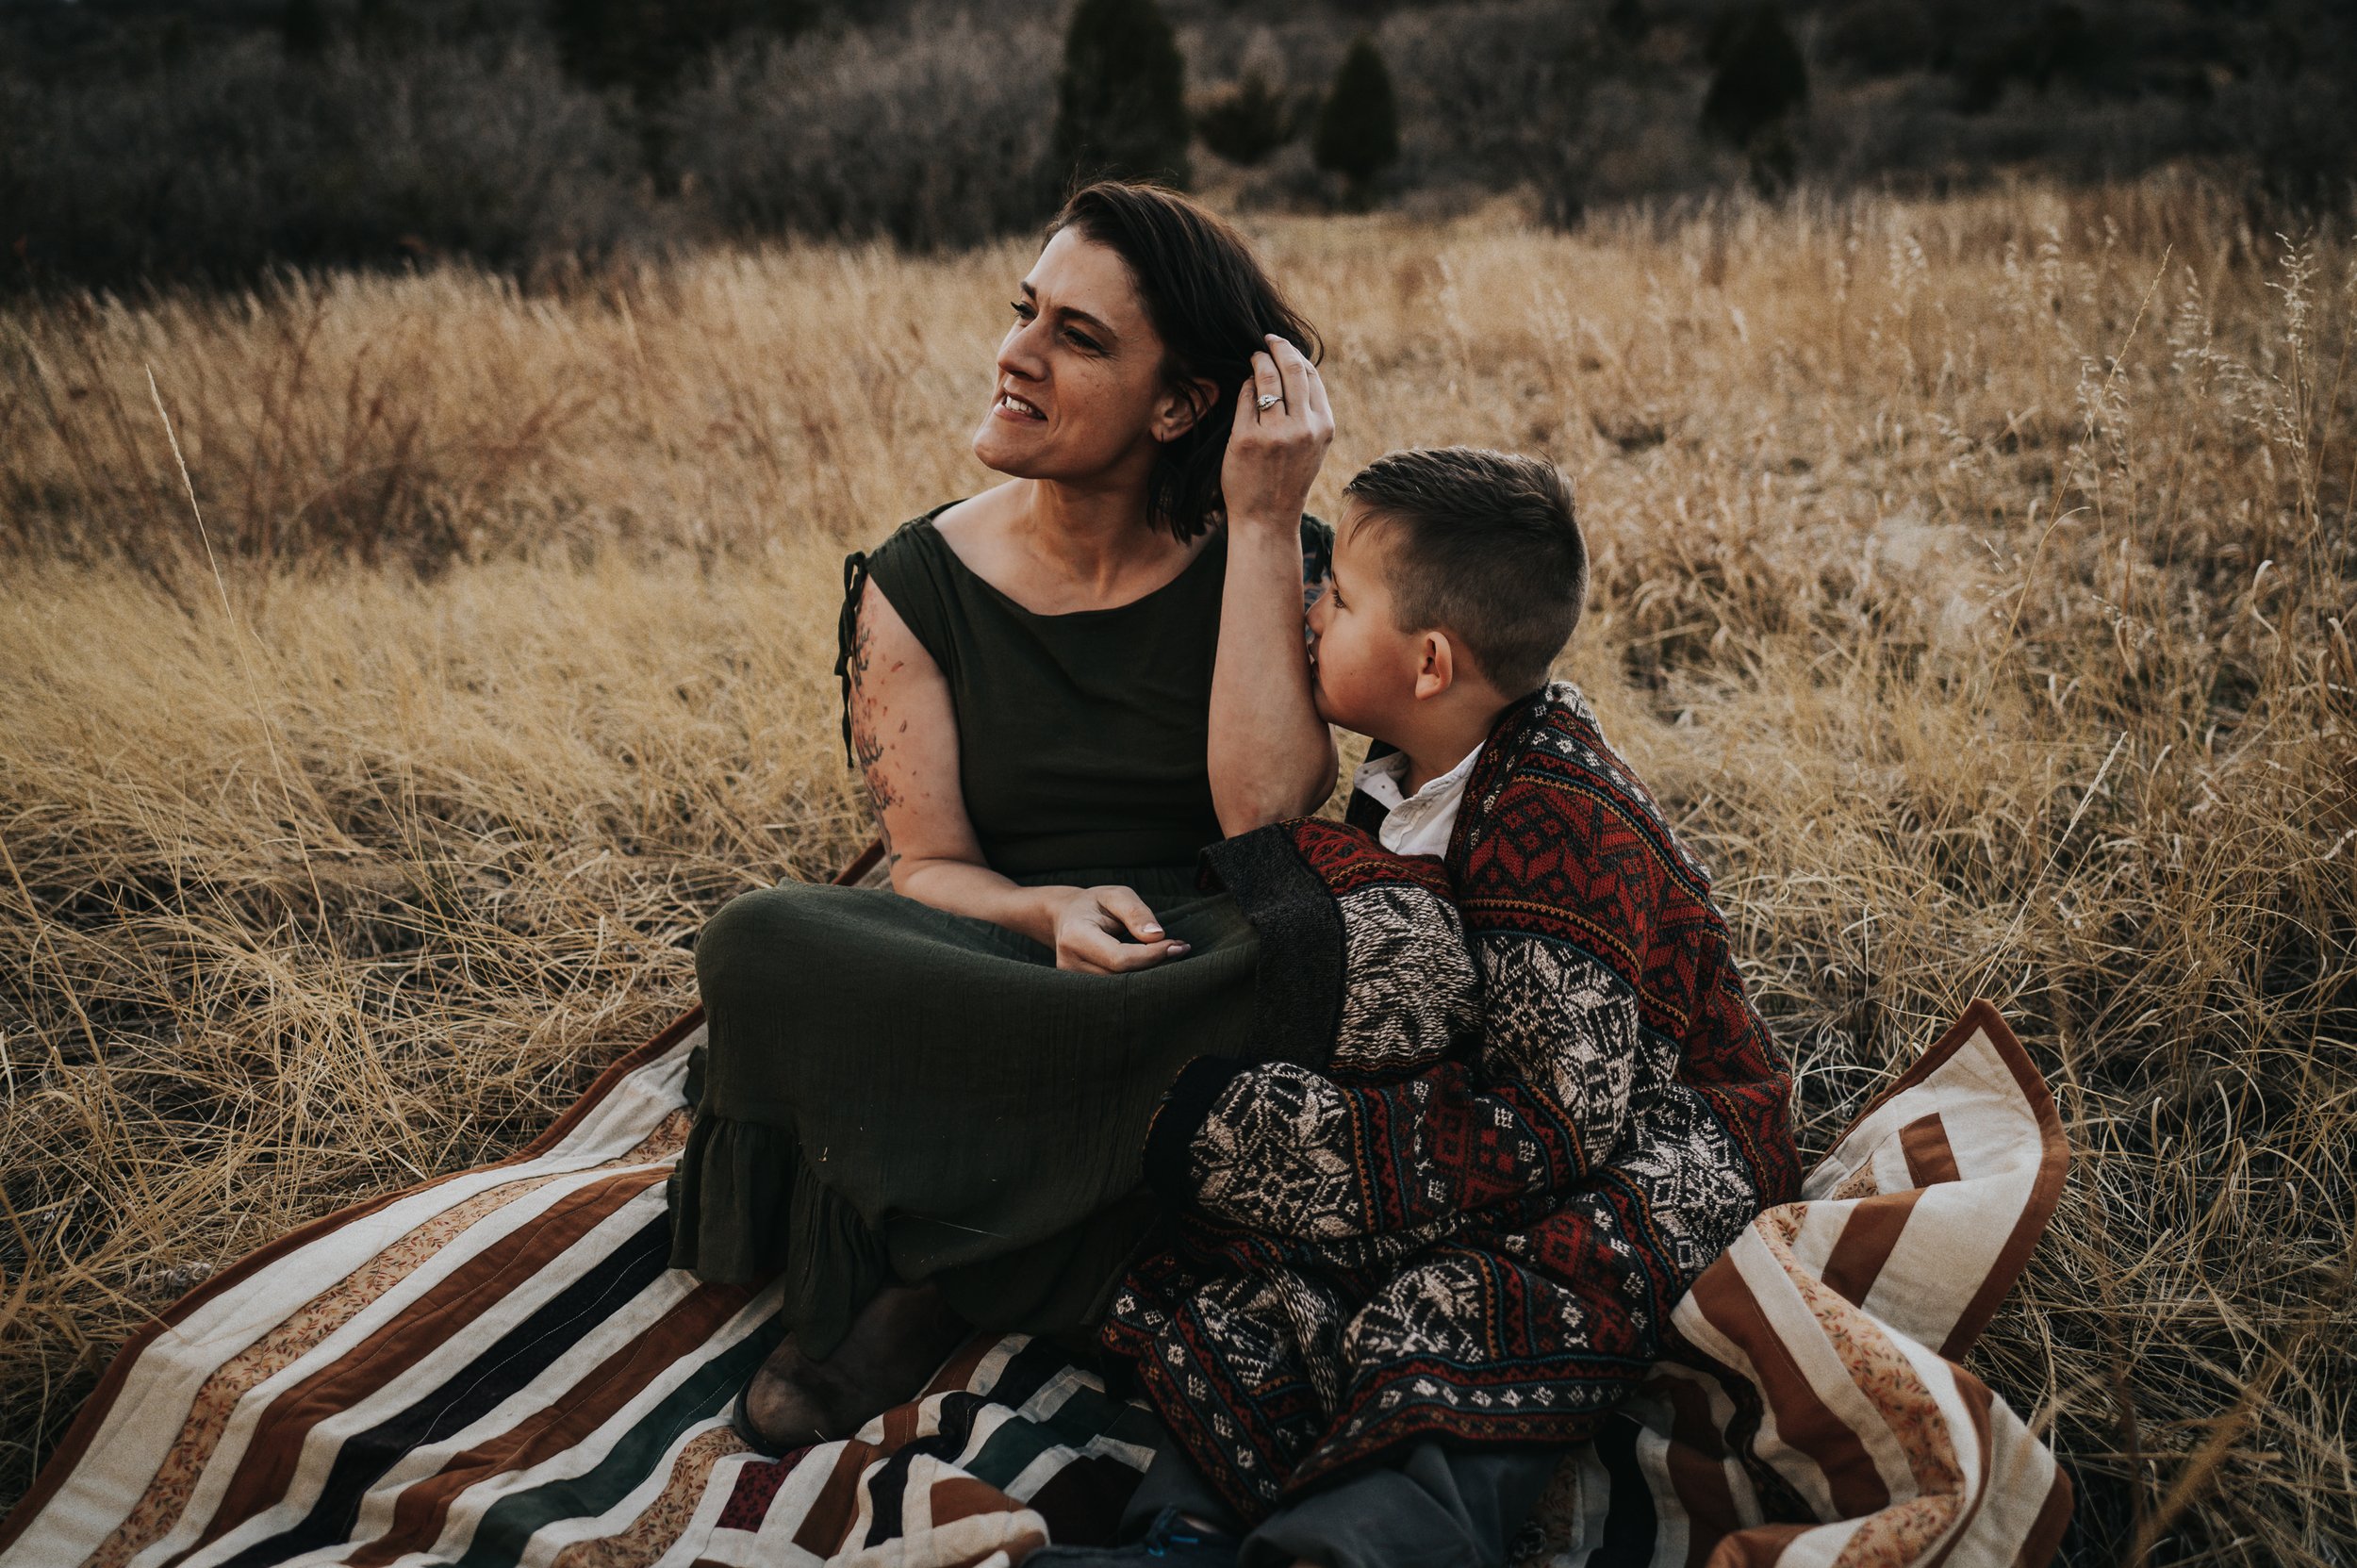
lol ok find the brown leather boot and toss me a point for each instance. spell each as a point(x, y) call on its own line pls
point(897, 1340)
point(775, 1411)
point(896, 1343)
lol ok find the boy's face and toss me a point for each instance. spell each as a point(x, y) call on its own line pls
point(1364, 674)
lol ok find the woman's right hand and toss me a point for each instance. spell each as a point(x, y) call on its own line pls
point(1273, 453)
point(1092, 923)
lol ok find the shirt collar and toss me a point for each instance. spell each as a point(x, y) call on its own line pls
point(1382, 777)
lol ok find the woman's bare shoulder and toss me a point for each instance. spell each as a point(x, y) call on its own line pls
point(970, 524)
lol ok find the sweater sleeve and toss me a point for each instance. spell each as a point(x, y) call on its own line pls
point(1289, 1152)
point(1532, 1091)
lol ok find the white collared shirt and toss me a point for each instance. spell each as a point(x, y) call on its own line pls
point(1417, 825)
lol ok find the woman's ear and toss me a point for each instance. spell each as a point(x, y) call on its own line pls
point(1435, 665)
point(1180, 407)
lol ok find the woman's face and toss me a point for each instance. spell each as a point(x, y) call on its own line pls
point(1080, 388)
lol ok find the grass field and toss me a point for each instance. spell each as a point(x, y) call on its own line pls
point(1969, 585)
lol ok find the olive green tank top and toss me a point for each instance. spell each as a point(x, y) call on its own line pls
point(1081, 736)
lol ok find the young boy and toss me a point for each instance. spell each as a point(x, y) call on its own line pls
point(1402, 1283)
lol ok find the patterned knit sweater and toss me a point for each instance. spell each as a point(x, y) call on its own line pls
point(1546, 1105)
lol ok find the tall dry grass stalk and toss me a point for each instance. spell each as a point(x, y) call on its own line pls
point(1971, 581)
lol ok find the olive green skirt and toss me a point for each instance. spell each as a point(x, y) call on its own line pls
point(891, 1092)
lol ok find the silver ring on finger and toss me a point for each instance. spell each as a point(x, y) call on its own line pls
point(1269, 400)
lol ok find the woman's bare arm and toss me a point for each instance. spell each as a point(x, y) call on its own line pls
point(904, 735)
point(1270, 756)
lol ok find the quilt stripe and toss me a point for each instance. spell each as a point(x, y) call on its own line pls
point(514, 1520)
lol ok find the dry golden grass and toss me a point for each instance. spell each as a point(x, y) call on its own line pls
point(1968, 584)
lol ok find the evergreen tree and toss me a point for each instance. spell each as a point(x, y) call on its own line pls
point(1247, 121)
point(1121, 102)
point(1357, 132)
point(1759, 76)
point(302, 27)
point(1759, 81)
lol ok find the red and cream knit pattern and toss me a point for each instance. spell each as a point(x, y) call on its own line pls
point(1545, 1106)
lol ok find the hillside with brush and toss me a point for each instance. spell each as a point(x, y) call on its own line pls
point(145, 142)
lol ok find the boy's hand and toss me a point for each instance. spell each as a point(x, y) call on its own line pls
point(1092, 924)
point(1273, 453)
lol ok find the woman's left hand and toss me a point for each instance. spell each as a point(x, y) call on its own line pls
point(1273, 453)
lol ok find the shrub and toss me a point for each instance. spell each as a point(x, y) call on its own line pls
point(2288, 111)
point(1882, 38)
point(930, 133)
point(2056, 44)
point(1358, 133)
point(1500, 95)
point(1121, 101)
point(249, 159)
point(1248, 120)
point(647, 45)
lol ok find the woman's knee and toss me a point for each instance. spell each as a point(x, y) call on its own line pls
point(751, 942)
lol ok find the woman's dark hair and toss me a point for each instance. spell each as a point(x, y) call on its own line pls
point(1210, 302)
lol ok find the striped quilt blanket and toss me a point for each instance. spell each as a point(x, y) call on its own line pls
point(1812, 1410)
point(496, 1368)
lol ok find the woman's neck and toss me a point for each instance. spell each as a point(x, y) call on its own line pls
point(1095, 538)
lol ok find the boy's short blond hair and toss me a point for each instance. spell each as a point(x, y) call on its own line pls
point(1485, 546)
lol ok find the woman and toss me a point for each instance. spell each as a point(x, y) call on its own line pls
point(927, 1106)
